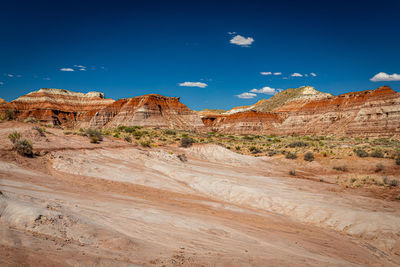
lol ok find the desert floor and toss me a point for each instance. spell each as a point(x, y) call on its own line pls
point(117, 204)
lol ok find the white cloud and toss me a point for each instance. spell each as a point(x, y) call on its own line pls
point(266, 73)
point(296, 75)
point(382, 76)
point(242, 41)
point(47, 79)
point(231, 33)
point(277, 73)
point(1, 83)
point(80, 66)
point(66, 69)
point(193, 84)
point(313, 74)
point(246, 95)
point(265, 90)
point(10, 75)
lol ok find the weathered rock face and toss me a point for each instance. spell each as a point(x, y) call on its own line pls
point(374, 113)
point(148, 110)
point(57, 106)
point(2, 101)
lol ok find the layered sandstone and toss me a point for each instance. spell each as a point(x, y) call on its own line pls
point(57, 106)
point(151, 110)
point(371, 113)
point(2, 101)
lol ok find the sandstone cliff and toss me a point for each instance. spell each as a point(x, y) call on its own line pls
point(57, 106)
point(374, 113)
point(148, 110)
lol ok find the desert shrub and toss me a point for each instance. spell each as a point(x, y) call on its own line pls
point(398, 160)
point(24, 147)
point(237, 147)
point(340, 168)
point(376, 154)
point(9, 115)
point(394, 182)
point(309, 156)
point(31, 120)
point(186, 142)
point(379, 167)
point(131, 129)
point(272, 152)
point(292, 173)
point(298, 144)
point(254, 150)
point(247, 137)
point(40, 130)
point(14, 137)
point(325, 154)
point(386, 180)
point(145, 143)
point(128, 139)
point(182, 157)
point(94, 139)
point(67, 132)
point(361, 153)
point(116, 135)
point(170, 132)
point(94, 133)
point(290, 155)
point(81, 130)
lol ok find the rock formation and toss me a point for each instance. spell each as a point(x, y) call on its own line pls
point(57, 106)
point(374, 113)
point(2, 101)
point(148, 110)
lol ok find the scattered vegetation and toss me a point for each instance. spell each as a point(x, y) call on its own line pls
point(40, 130)
point(23, 147)
point(186, 142)
point(290, 155)
point(8, 115)
point(361, 153)
point(341, 168)
point(95, 136)
point(182, 157)
point(31, 120)
point(376, 154)
point(14, 137)
point(309, 156)
point(292, 173)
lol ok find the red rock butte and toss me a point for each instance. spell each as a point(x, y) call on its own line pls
point(303, 111)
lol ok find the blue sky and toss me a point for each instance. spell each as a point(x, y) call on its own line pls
point(130, 48)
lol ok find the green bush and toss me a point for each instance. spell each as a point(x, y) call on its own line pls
point(309, 156)
point(14, 137)
point(186, 142)
point(94, 139)
point(182, 157)
point(376, 154)
point(361, 153)
point(9, 115)
point(290, 155)
point(94, 133)
point(170, 132)
point(298, 144)
point(24, 147)
point(31, 120)
point(394, 182)
point(40, 130)
point(128, 139)
point(340, 168)
point(145, 143)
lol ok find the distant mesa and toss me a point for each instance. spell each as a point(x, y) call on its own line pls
point(302, 111)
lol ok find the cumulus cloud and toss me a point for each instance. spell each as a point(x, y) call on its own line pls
point(382, 76)
point(313, 74)
point(265, 90)
point(296, 75)
point(246, 95)
point(66, 69)
point(1, 83)
point(266, 73)
point(193, 84)
point(80, 67)
point(277, 73)
point(242, 41)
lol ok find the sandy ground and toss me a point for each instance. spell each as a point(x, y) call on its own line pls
point(114, 204)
